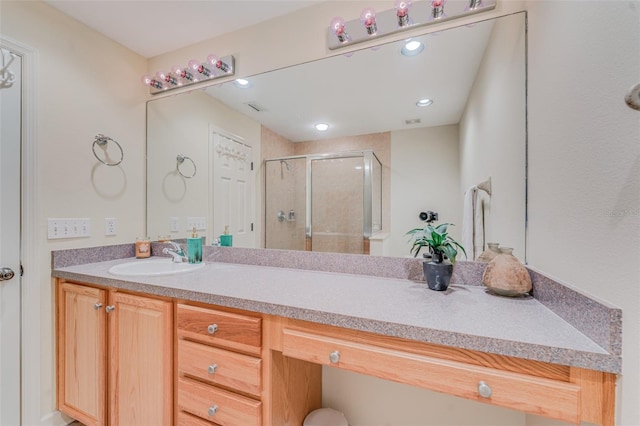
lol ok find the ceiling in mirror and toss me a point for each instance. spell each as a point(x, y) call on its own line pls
point(352, 93)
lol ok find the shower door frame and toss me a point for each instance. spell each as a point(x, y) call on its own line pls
point(368, 157)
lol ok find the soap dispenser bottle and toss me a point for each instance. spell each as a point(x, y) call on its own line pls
point(226, 239)
point(194, 247)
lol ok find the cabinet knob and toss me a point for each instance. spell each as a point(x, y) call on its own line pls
point(484, 390)
point(334, 357)
point(212, 368)
point(97, 306)
point(212, 328)
point(212, 410)
point(110, 308)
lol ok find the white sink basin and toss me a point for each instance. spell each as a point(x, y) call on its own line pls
point(154, 267)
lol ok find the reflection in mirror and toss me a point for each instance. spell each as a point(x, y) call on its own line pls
point(474, 129)
point(327, 203)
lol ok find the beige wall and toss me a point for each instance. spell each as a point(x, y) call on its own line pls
point(493, 134)
point(425, 175)
point(583, 163)
point(86, 84)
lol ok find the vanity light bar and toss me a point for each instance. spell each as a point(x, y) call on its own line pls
point(409, 16)
point(194, 72)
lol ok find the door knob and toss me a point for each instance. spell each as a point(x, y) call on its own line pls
point(6, 274)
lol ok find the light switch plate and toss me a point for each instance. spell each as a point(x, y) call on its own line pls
point(174, 224)
point(68, 228)
point(200, 223)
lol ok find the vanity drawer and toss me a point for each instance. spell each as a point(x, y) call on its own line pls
point(233, 331)
point(221, 367)
point(217, 405)
point(186, 419)
point(545, 397)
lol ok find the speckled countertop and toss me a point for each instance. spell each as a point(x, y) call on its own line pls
point(464, 316)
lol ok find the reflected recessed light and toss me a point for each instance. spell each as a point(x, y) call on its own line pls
point(242, 83)
point(321, 127)
point(424, 102)
point(412, 48)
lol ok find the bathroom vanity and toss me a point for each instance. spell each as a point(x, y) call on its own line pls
point(236, 344)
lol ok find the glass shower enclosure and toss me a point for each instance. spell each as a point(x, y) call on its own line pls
point(323, 202)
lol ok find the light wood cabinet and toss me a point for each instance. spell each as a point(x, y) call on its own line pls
point(219, 367)
point(117, 352)
point(82, 354)
point(569, 394)
point(114, 356)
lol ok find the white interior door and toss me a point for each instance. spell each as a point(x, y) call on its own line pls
point(233, 191)
point(10, 130)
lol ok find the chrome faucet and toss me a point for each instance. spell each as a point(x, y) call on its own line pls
point(176, 252)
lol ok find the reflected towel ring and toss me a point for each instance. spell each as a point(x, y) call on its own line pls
point(102, 140)
point(179, 160)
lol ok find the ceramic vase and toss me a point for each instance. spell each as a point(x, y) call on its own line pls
point(437, 272)
point(506, 275)
point(492, 251)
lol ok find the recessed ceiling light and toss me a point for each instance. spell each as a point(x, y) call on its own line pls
point(424, 102)
point(242, 83)
point(412, 48)
point(321, 127)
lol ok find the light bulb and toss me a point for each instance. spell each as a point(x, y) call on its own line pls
point(216, 62)
point(473, 5)
point(437, 9)
point(321, 127)
point(148, 81)
point(198, 67)
point(337, 26)
point(402, 11)
point(368, 19)
point(167, 78)
point(182, 73)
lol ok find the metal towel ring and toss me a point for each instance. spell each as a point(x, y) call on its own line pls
point(102, 140)
point(179, 160)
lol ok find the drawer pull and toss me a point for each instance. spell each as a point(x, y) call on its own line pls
point(212, 328)
point(334, 357)
point(110, 308)
point(97, 306)
point(212, 368)
point(484, 390)
point(212, 410)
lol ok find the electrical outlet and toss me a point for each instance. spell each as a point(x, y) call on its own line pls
point(109, 226)
point(174, 224)
point(68, 228)
point(200, 223)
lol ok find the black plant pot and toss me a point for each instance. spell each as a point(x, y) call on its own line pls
point(437, 273)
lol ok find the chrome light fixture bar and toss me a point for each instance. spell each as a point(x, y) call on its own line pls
point(195, 72)
point(401, 18)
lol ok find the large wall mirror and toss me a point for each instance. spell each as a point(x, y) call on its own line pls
point(208, 149)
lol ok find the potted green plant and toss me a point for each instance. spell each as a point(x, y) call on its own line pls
point(437, 270)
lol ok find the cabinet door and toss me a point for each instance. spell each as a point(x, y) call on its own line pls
point(140, 349)
point(81, 350)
